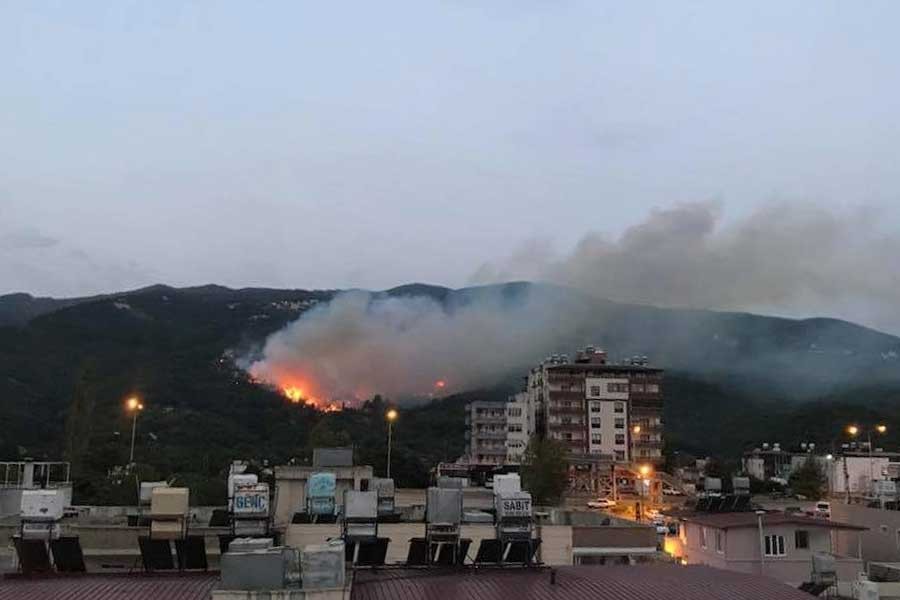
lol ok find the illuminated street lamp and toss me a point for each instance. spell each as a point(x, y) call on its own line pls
point(390, 416)
point(134, 406)
point(853, 430)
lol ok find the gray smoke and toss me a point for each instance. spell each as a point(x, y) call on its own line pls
point(786, 259)
point(360, 344)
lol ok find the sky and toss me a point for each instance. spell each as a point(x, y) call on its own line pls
point(371, 144)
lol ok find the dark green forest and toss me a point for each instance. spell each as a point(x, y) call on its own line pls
point(67, 367)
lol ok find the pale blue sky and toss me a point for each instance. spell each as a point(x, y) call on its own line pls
point(337, 144)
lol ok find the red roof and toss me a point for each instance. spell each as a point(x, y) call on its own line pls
point(110, 587)
point(749, 519)
point(639, 582)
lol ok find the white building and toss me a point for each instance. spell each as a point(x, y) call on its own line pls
point(858, 471)
point(520, 426)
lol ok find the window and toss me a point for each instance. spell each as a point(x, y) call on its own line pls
point(720, 541)
point(567, 436)
point(637, 387)
point(620, 423)
point(652, 388)
point(595, 407)
point(620, 455)
point(515, 412)
point(595, 390)
point(596, 422)
point(596, 438)
point(703, 537)
point(617, 388)
point(774, 545)
point(620, 439)
point(801, 539)
point(619, 407)
point(514, 428)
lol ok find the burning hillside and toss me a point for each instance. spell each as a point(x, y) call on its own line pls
point(359, 345)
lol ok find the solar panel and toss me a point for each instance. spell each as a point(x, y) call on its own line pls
point(417, 553)
point(156, 555)
point(715, 504)
point(522, 551)
point(67, 555)
point(446, 555)
point(489, 552)
point(742, 504)
point(192, 553)
point(33, 556)
point(702, 505)
point(372, 553)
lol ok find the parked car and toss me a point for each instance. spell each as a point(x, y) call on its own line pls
point(822, 510)
point(670, 491)
point(601, 503)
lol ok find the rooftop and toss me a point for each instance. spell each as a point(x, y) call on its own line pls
point(603, 368)
point(735, 520)
point(111, 587)
point(638, 582)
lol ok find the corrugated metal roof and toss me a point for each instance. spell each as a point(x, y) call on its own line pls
point(110, 587)
point(749, 519)
point(639, 582)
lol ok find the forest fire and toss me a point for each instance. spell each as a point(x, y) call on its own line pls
point(297, 396)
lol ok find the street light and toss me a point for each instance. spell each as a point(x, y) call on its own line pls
point(134, 406)
point(390, 416)
point(853, 430)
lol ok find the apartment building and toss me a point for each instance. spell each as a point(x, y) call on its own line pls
point(486, 429)
point(596, 408)
point(599, 408)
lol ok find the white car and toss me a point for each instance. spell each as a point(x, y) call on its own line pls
point(669, 491)
point(601, 503)
point(822, 510)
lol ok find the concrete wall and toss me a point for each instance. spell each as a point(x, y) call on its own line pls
point(881, 543)
point(742, 552)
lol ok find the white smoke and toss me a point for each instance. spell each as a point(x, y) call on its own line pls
point(786, 259)
point(360, 344)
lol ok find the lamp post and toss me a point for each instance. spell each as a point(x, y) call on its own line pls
point(634, 432)
point(134, 406)
point(762, 544)
point(390, 416)
point(853, 431)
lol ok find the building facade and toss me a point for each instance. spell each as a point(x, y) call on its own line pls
point(486, 429)
point(598, 408)
point(776, 545)
point(600, 411)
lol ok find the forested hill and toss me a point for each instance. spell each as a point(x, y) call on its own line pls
point(66, 365)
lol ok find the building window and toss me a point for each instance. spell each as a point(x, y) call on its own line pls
point(720, 542)
point(774, 545)
point(595, 407)
point(620, 455)
point(637, 387)
point(567, 436)
point(620, 423)
point(515, 412)
point(596, 438)
point(801, 539)
point(595, 390)
point(620, 439)
point(619, 407)
point(596, 422)
point(652, 388)
point(703, 537)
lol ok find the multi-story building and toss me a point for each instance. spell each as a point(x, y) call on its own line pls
point(595, 408)
point(486, 430)
point(599, 408)
point(520, 426)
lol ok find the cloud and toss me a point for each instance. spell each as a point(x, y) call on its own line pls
point(26, 239)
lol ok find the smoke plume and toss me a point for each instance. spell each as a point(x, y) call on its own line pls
point(785, 259)
point(360, 344)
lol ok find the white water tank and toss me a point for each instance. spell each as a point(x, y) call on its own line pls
point(42, 505)
point(863, 589)
point(509, 483)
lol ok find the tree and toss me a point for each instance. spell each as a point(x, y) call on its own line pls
point(545, 470)
point(809, 480)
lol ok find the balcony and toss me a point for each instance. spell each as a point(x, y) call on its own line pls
point(489, 435)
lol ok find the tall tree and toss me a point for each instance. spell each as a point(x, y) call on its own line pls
point(545, 470)
point(809, 480)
